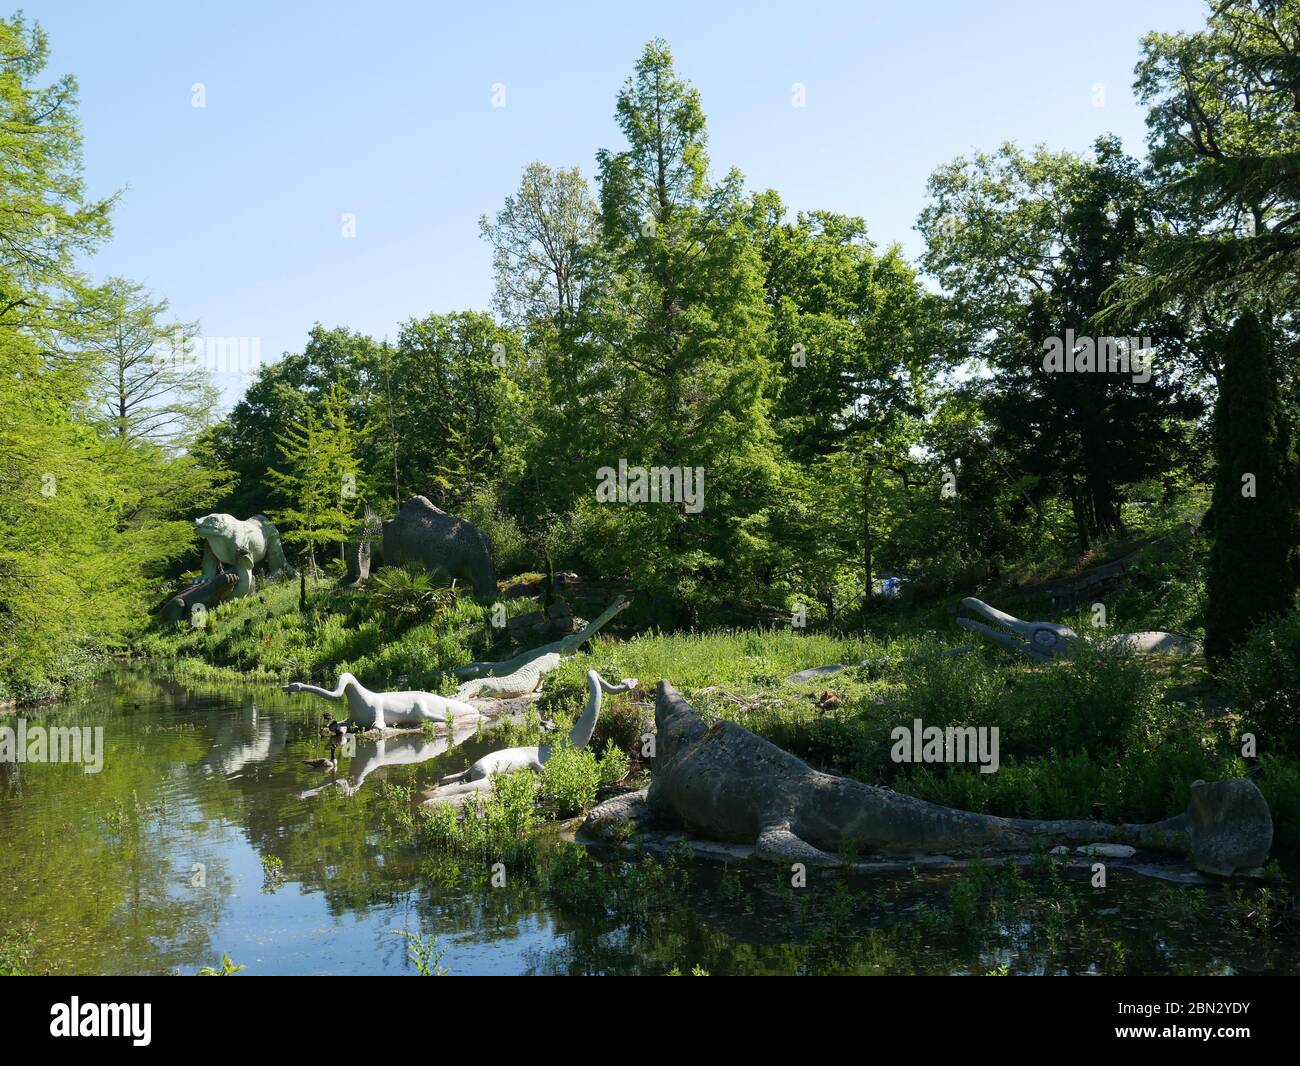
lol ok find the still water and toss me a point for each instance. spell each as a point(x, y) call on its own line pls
point(204, 833)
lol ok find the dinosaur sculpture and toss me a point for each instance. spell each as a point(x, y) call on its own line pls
point(1046, 640)
point(421, 533)
point(566, 645)
point(528, 678)
point(242, 545)
point(379, 710)
point(455, 787)
point(722, 782)
point(207, 593)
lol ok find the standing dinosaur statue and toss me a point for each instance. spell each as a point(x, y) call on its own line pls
point(564, 646)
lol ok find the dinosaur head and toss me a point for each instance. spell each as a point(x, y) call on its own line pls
point(1039, 640)
point(222, 526)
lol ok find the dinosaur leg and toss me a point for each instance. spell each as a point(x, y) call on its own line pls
point(210, 564)
point(244, 586)
point(777, 843)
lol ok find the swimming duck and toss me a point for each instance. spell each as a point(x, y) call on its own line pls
point(324, 765)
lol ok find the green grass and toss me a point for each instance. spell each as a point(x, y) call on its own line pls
point(1092, 734)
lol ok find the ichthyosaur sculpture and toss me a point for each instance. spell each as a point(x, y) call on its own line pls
point(722, 782)
point(1047, 640)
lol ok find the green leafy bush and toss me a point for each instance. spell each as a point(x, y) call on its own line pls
point(570, 779)
point(1264, 677)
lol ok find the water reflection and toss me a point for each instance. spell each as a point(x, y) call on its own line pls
point(205, 833)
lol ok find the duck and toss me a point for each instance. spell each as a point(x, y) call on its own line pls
point(324, 765)
point(333, 726)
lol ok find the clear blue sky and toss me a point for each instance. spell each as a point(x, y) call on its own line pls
point(384, 110)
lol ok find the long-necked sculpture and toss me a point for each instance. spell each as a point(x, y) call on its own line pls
point(564, 646)
point(455, 787)
point(379, 710)
point(1046, 640)
point(722, 782)
point(242, 545)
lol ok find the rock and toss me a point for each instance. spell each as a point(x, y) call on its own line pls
point(1229, 826)
point(420, 533)
point(208, 593)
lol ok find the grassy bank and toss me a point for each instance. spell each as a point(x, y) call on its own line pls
point(1094, 735)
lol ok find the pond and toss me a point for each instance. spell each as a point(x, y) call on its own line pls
point(203, 832)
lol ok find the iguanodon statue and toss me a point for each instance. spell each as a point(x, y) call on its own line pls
point(242, 545)
point(1046, 640)
point(721, 782)
point(379, 710)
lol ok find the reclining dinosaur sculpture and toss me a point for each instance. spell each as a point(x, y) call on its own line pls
point(564, 646)
point(1046, 640)
point(454, 787)
point(528, 678)
point(722, 782)
point(383, 709)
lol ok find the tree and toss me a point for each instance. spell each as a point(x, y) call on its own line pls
point(321, 476)
point(1225, 143)
point(145, 381)
point(1027, 247)
point(1255, 516)
point(671, 367)
point(540, 241)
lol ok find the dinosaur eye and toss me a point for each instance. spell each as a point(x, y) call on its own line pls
point(1045, 638)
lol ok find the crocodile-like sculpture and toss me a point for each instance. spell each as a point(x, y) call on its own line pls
point(1046, 640)
point(379, 710)
point(455, 787)
point(566, 645)
point(241, 544)
point(528, 678)
point(722, 782)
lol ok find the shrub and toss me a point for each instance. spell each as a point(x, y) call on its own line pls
point(406, 596)
point(570, 779)
point(613, 765)
point(1264, 678)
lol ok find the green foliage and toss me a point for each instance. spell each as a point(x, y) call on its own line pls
point(570, 778)
point(1264, 678)
point(407, 595)
point(1255, 517)
point(424, 953)
point(228, 968)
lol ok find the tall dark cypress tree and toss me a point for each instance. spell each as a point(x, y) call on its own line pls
point(1255, 515)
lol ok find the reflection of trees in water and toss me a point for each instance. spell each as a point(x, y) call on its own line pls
point(92, 863)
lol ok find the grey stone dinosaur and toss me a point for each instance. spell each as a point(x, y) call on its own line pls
point(423, 534)
point(241, 544)
point(566, 645)
point(1046, 640)
point(722, 782)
